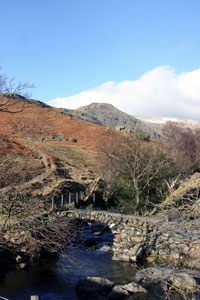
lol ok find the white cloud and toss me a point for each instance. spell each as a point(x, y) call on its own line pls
point(159, 92)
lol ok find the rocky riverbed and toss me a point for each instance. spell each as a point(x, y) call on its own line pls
point(88, 262)
point(167, 278)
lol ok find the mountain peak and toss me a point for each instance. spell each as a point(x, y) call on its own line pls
point(108, 115)
point(96, 105)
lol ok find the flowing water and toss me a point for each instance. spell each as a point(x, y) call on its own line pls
point(55, 279)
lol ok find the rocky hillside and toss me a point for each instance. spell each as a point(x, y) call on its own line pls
point(109, 116)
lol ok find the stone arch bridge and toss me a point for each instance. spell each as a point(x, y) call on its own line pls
point(138, 237)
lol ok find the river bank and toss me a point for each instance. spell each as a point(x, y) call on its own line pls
point(56, 278)
point(91, 256)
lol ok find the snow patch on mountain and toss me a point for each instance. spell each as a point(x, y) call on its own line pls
point(163, 120)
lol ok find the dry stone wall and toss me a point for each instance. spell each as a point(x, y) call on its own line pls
point(51, 138)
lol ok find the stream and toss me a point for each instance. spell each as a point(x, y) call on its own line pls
point(56, 278)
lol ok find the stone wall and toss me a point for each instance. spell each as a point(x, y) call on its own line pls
point(51, 138)
point(144, 237)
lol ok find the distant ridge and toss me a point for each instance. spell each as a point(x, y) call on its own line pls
point(25, 100)
point(157, 123)
point(163, 120)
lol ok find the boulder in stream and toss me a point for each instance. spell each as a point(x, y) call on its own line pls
point(180, 278)
point(94, 286)
point(101, 288)
point(125, 290)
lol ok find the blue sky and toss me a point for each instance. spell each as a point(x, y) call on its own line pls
point(65, 47)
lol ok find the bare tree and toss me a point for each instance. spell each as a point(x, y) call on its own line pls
point(135, 172)
point(11, 102)
point(25, 225)
point(185, 146)
point(10, 92)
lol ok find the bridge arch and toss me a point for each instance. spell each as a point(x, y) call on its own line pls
point(130, 233)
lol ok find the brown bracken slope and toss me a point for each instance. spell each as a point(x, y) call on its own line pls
point(52, 163)
point(40, 121)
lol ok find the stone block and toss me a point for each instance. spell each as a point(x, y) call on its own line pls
point(121, 257)
point(133, 258)
point(136, 239)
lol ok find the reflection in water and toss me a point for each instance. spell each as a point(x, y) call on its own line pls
point(53, 279)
